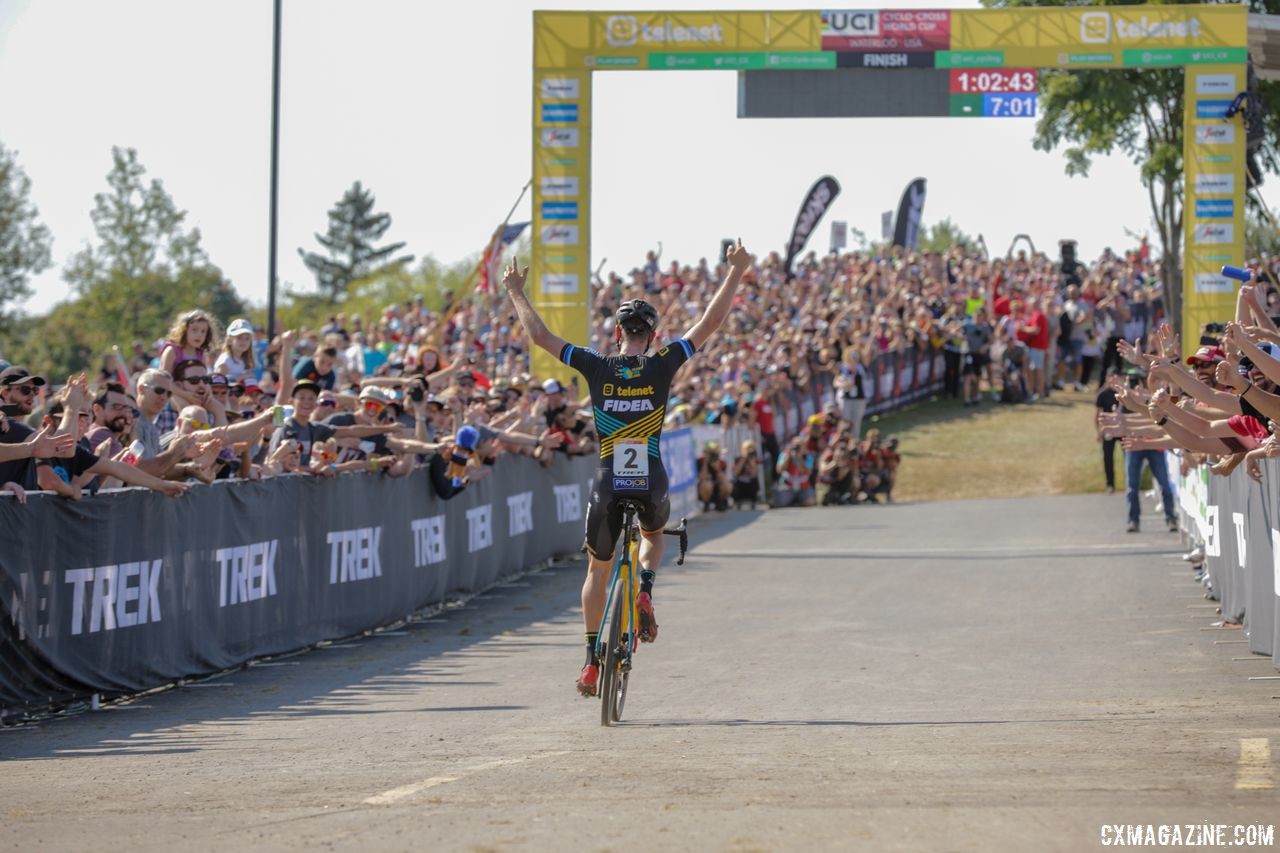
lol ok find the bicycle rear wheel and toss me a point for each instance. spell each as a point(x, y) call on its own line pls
point(617, 665)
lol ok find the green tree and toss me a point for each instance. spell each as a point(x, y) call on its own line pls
point(24, 241)
point(350, 250)
point(1140, 114)
point(942, 236)
point(143, 271)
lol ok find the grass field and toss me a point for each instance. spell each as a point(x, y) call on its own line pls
point(951, 452)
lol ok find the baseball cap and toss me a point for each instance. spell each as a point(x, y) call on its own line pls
point(16, 375)
point(218, 379)
point(239, 326)
point(467, 438)
point(1207, 354)
point(378, 395)
point(552, 386)
point(305, 384)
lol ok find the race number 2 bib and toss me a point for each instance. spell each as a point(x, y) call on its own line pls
point(631, 464)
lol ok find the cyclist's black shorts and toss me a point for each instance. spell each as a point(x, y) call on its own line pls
point(604, 511)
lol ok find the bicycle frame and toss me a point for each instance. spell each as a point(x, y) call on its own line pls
point(625, 568)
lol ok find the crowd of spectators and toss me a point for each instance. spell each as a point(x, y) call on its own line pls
point(452, 389)
point(1215, 398)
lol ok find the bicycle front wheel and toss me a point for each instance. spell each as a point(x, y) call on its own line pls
point(617, 664)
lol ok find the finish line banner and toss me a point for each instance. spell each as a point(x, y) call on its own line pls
point(132, 590)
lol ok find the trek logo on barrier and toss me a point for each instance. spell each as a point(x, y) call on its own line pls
point(560, 235)
point(355, 555)
point(559, 88)
point(479, 528)
point(625, 31)
point(120, 596)
point(568, 504)
point(1237, 518)
point(246, 572)
point(520, 514)
point(428, 541)
point(1215, 134)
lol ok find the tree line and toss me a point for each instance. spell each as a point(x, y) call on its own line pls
point(146, 266)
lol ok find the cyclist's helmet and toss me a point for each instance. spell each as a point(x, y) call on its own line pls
point(636, 317)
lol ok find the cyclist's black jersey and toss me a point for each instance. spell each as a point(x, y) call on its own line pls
point(629, 395)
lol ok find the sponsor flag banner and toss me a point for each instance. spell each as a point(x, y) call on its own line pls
point(906, 230)
point(1213, 210)
point(819, 198)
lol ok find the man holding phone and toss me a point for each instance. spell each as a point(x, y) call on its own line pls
point(629, 391)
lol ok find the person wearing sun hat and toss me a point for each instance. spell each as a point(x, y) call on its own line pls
point(237, 358)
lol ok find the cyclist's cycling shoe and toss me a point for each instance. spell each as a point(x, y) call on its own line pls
point(648, 622)
point(588, 680)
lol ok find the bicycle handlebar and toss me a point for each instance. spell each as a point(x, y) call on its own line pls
point(681, 530)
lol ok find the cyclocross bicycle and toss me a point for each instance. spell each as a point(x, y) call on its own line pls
point(616, 647)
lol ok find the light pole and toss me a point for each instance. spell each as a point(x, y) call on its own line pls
point(275, 174)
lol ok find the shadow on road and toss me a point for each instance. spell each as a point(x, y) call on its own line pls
point(681, 724)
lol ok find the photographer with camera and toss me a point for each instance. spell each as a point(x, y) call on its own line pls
point(746, 476)
point(714, 487)
point(795, 475)
point(838, 472)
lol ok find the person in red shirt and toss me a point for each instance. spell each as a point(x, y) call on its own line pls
point(1033, 330)
point(763, 408)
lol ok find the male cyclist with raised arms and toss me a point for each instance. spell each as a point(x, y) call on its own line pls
point(629, 391)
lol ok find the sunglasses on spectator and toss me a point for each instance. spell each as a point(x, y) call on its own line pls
point(329, 403)
point(163, 392)
point(25, 390)
point(199, 424)
point(197, 380)
point(124, 407)
point(373, 407)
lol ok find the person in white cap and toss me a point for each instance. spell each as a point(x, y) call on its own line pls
point(629, 390)
point(236, 358)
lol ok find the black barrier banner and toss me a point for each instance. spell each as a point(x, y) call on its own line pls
point(131, 590)
point(906, 228)
point(1217, 557)
point(820, 196)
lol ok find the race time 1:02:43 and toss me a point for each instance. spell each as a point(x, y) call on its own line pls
point(968, 81)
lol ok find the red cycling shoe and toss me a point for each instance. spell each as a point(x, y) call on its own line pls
point(588, 679)
point(648, 622)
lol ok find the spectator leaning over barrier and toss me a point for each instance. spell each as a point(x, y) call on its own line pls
point(20, 446)
point(190, 339)
point(113, 415)
point(309, 434)
point(454, 467)
point(18, 390)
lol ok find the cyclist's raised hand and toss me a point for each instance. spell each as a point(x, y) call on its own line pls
point(737, 256)
point(513, 278)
